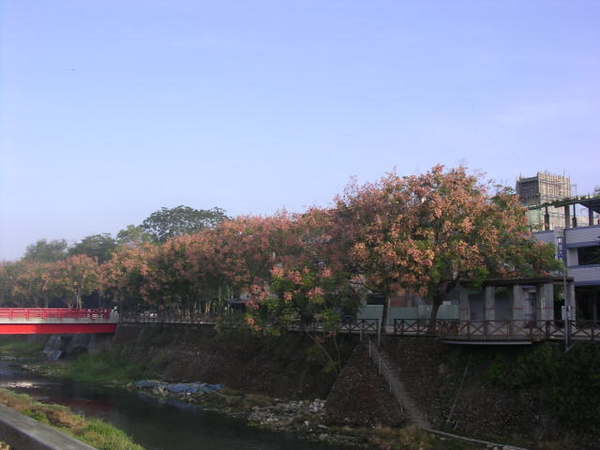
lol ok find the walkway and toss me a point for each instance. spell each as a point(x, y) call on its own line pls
point(498, 331)
point(490, 332)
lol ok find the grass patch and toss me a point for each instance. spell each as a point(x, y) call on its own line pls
point(411, 437)
point(94, 432)
point(107, 368)
point(20, 347)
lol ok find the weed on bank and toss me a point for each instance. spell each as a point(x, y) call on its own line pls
point(94, 432)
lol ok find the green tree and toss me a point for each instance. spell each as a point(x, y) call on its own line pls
point(133, 236)
point(170, 222)
point(30, 287)
point(99, 246)
point(72, 279)
point(46, 251)
point(9, 275)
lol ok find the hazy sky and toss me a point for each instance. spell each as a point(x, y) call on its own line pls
point(110, 110)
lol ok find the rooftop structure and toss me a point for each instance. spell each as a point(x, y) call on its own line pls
point(569, 212)
point(541, 189)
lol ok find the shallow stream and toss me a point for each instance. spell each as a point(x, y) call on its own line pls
point(154, 424)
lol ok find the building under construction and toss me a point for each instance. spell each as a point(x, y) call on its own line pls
point(541, 189)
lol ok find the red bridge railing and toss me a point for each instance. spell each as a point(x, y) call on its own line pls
point(53, 313)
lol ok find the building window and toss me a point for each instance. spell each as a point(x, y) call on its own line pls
point(588, 255)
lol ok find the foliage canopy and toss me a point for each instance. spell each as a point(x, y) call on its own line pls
point(46, 251)
point(168, 223)
point(427, 233)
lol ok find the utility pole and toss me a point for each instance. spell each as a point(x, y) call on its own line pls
point(561, 241)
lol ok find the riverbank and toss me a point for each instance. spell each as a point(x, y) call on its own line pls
point(538, 396)
point(94, 432)
point(368, 419)
point(308, 419)
point(534, 397)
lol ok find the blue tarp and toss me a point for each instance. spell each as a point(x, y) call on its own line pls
point(180, 388)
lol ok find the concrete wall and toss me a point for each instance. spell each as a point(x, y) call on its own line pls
point(575, 238)
point(24, 433)
point(370, 312)
point(423, 312)
point(585, 275)
point(585, 234)
point(546, 236)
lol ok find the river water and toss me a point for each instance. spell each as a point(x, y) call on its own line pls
point(154, 424)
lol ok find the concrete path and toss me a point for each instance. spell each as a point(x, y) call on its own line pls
point(24, 433)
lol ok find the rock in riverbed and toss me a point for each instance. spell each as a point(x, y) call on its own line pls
point(303, 414)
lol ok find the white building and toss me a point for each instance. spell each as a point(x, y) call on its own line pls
point(582, 256)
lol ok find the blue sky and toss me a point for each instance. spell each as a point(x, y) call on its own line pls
point(110, 110)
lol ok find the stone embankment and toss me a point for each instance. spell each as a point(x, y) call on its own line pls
point(60, 346)
point(279, 367)
point(274, 382)
point(360, 397)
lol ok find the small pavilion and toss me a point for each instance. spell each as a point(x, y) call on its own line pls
point(531, 299)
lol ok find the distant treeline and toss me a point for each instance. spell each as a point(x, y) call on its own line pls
point(426, 233)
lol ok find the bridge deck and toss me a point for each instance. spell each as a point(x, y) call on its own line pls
point(57, 321)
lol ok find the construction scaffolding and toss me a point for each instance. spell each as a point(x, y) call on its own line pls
point(541, 189)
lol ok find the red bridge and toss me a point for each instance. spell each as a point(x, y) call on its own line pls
point(57, 321)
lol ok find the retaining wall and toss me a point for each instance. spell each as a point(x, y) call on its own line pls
point(24, 433)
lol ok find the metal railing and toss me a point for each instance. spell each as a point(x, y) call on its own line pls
point(445, 328)
point(359, 326)
point(182, 317)
point(497, 329)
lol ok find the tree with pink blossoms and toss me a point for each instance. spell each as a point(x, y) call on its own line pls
point(429, 233)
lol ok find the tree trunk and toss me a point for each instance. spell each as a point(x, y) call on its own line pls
point(436, 302)
point(438, 297)
point(384, 315)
